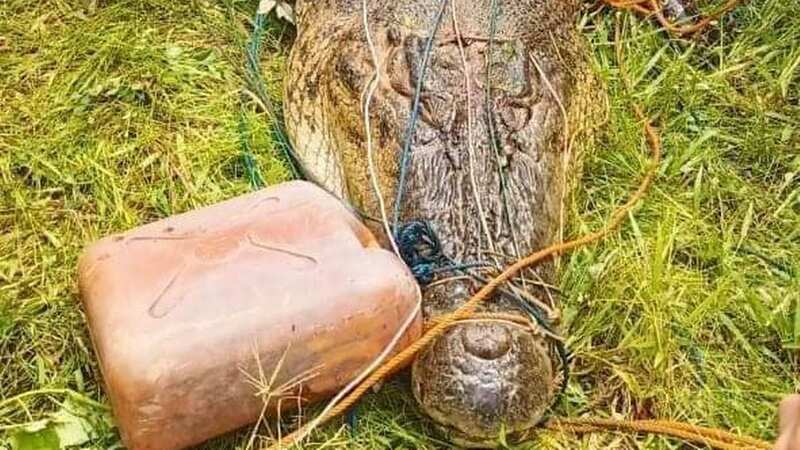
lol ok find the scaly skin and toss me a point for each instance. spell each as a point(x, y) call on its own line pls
point(480, 378)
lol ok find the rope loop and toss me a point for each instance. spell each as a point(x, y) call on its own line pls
point(421, 249)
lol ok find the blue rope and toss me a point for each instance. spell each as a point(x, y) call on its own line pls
point(412, 122)
point(352, 418)
point(250, 163)
point(421, 249)
point(416, 240)
point(256, 83)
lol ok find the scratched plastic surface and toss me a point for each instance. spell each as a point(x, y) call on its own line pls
point(183, 312)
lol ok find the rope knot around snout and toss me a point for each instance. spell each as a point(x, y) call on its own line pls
point(421, 249)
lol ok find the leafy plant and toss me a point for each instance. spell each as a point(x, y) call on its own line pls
point(72, 425)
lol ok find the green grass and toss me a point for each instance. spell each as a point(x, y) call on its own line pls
point(113, 114)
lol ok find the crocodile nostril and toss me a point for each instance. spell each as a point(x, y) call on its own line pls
point(488, 399)
point(486, 341)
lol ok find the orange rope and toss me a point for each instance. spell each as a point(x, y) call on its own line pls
point(712, 437)
point(487, 317)
point(652, 7)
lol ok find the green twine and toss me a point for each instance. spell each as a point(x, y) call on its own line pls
point(248, 160)
point(256, 85)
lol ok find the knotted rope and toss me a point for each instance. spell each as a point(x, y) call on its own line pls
point(421, 250)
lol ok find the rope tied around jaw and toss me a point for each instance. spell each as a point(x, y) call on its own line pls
point(421, 250)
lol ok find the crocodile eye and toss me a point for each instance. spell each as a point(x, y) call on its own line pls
point(514, 116)
point(437, 108)
point(394, 36)
point(424, 134)
point(351, 71)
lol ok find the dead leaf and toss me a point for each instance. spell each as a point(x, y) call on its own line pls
point(282, 9)
point(266, 6)
point(285, 12)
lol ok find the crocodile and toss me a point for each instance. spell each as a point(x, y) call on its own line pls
point(504, 94)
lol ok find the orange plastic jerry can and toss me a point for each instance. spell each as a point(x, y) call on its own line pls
point(192, 316)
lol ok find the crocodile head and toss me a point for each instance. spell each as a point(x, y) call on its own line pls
point(502, 90)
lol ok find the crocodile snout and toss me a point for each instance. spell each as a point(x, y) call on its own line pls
point(483, 378)
point(486, 341)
